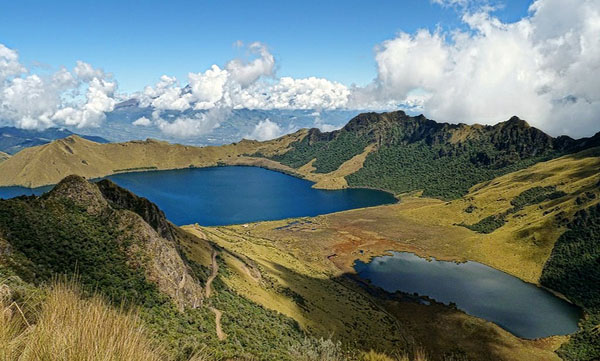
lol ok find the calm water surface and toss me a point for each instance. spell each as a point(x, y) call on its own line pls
point(231, 195)
point(522, 308)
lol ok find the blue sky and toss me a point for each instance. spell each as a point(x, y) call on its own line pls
point(69, 63)
point(139, 41)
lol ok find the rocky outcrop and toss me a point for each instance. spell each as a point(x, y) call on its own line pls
point(81, 192)
point(139, 227)
point(150, 213)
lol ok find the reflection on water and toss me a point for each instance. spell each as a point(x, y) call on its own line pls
point(522, 308)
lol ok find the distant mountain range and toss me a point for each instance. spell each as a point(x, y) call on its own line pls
point(231, 126)
point(14, 139)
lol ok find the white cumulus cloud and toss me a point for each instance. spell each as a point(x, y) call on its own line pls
point(142, 122)
point(9, 63)
point(265, 130)
point(544, 68)
point(247, 72)
point(41, 101)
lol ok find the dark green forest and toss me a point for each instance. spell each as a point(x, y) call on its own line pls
point(417, 154)
point(329, 155)
point(573, 269)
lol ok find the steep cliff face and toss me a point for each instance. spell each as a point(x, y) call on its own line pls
point(150, 213)
point(118, 240)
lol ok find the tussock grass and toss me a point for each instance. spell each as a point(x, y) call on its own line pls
point(68, 327)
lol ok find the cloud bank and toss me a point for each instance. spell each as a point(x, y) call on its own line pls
point(543, 68)
point(79, 97)
point(266, 130)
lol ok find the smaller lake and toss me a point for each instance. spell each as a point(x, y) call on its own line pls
point(232, 195)
point(521, 308)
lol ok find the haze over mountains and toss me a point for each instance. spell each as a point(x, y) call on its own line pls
point(14, 139)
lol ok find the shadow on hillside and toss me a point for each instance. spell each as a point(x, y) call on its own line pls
point(393, 323)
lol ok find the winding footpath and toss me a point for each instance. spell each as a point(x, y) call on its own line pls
point(214, 271)
point(208, 289)
point(220, 334)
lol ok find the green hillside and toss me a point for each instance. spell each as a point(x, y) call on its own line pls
point(574, 270)
point(415, 153)
point(76, 231)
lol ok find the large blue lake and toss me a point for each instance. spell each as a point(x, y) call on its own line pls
point(522, 308)
point(231, 195)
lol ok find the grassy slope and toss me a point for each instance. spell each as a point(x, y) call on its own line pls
point(67, 326)
point(284, 275)
point(50, 163)
point(57, 235)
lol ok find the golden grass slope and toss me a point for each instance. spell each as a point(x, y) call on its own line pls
point(4, 156)
point(278, 272)
point(49, 163)
point(68, 327)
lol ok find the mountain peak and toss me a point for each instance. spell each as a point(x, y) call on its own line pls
point(517, 121)
point(81, 192)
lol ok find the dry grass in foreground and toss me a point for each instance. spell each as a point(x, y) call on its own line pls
point(69, 327)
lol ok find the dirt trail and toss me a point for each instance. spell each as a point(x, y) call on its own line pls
point(220, 334)
point(214, 271)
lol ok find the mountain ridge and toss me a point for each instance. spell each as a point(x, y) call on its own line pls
point(390, 151)
point(414, 153)
point(12, 139)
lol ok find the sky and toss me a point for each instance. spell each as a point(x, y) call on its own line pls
point(70, 62)
point(138, 41)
